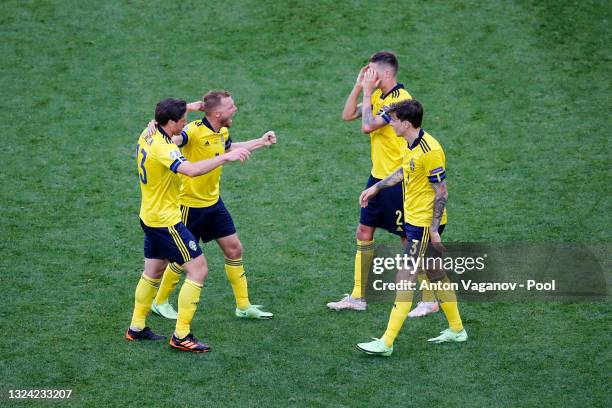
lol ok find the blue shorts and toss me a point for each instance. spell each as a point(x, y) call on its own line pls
point(208, 223)
point(385, 210)
point(418, 239)
point(175, 243)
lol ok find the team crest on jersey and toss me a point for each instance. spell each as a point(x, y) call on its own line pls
point(193, 245)
point(412, 164)
point(175, 154)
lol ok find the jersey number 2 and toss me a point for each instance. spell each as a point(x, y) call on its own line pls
point(143, 175)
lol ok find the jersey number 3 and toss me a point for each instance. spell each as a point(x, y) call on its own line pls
point(143, 175)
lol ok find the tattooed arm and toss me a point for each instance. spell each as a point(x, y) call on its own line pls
point(396, 177)
point(438, 209)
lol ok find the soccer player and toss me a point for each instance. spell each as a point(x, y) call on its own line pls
point(386, 210)
point(202, 208)
point(424, 180)
point(166, 239)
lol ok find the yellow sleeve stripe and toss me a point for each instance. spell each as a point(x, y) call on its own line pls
point(180, 244)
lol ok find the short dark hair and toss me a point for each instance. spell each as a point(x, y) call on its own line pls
point(386, 57)
point(411, 111)
point(170, 109)
point(212, 99)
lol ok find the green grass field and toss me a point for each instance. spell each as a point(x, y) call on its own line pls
point(517, 92)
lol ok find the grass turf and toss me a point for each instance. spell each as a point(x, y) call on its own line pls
point(517, 93)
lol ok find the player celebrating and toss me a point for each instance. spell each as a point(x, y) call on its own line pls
point(202, 208)
point(166, 237)
point(425, 195)
point(386, 210)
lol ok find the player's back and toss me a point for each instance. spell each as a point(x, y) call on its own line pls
point(158, 158)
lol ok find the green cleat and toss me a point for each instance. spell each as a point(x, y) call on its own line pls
point(449, 336)
point(375, 348)
point(253, 312)
point(164, 310)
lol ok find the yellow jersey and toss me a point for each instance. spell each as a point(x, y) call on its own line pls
point(201, 142)
point(387, 147)
point(424, 163)
point(158, 159)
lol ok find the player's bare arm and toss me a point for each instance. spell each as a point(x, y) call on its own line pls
point(352, 109)
point(396, 177)
point(369, 122)
point(195, 106)
point(205, 166)
point(438, 209)
point(268, 139)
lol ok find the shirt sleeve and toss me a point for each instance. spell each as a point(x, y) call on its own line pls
point(228, 143)
point(390, 101)
point(433, 163)
point(170, 156)
point(185, 137)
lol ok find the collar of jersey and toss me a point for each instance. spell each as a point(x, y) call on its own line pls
point(207, 124)
point(164, 134)
point(395, 88)
point(418, 139)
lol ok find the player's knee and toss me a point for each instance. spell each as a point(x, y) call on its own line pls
point(364, 233)
point(196, 269)
point(234, 250)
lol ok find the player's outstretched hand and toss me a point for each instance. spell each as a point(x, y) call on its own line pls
point(367, 195)
point(240, 154)
point(152, 127)
point(269, 138)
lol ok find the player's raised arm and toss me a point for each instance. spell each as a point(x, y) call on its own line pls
point(205, 166)
point(369, 122)
point(352, 110)
point(266, 140)
point(195, 106)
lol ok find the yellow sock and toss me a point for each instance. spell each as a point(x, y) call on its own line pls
point(188, 300)
point(451, 311)
point(171, 278)
point(396, 320)
point(235, 274)
point(448, 302)
point(427, 295)
point(145, 292)
point(363, 262)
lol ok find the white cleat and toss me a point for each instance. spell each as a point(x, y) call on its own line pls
point(450, 336)
point(424, 309)
point(164, 310)
point(348, 303)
